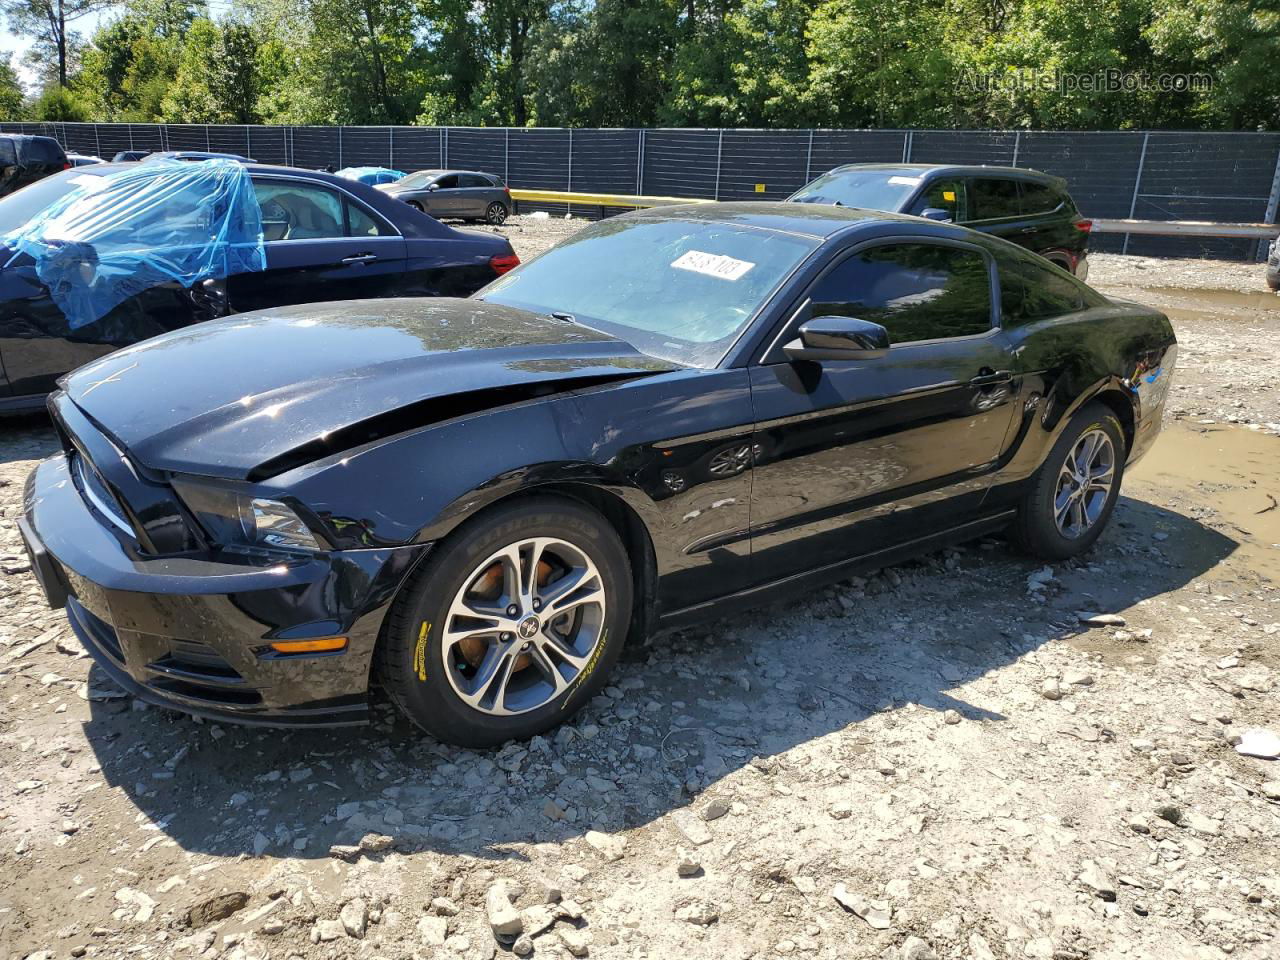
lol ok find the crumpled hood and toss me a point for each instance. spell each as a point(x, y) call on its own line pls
point(223, 397)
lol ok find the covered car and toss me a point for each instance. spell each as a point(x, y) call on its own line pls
point(103, 256)
point(373, 176)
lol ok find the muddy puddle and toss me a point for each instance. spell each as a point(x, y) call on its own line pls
point(1227, 477)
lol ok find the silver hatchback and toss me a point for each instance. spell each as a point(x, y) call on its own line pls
point(463, 194)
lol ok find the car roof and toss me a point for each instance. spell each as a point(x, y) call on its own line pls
point(930, 171)
point(807, 219)
point(28, 136)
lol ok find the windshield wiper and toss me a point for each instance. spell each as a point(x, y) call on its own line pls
point(562, 316)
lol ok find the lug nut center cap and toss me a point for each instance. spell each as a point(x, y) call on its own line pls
point(528, 628)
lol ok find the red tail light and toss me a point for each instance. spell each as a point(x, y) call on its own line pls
point(502, 264)
point(1084, 226)
point(66, 164)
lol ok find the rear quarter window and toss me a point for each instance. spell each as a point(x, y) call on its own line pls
point(1040, 198)
point(1031, 292)
point(8, 154)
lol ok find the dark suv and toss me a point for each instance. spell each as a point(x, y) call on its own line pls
point(1030, 208)
point(25, 159)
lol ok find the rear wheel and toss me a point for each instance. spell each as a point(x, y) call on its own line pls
point(496, 213)
point(1072, 495)
point(511, 626)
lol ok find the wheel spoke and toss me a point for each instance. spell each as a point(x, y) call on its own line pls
point(492, 677)
point(548, 668)
point(576, 588)
point(557, 645)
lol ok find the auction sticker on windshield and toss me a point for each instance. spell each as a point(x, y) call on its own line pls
point(712, 264)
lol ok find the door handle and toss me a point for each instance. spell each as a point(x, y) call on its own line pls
point(987, 377)
point(360, 258)
point(1028, 229)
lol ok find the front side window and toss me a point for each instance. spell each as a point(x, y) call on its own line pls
point(292, 210)
point(945, 195)
point(993, 199)
point(447, 182)
point(915, 291)
point(682, 290)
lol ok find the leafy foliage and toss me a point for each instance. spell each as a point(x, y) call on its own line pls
point(767, 63)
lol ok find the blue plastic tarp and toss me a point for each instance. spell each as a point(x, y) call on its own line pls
point(370, 175)
point(113, 236)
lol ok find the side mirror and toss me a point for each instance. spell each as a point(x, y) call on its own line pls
point(431, 188)
point(936, 213)
point(838, 338)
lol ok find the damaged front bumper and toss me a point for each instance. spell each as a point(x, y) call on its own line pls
point(194, 632)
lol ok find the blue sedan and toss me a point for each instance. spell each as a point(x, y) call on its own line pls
point(72, 296)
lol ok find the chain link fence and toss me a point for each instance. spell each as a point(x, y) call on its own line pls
point(1156, 175)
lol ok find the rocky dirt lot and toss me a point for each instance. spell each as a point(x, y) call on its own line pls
point(969, 756)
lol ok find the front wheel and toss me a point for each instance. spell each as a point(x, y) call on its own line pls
point(511, 626)
point(496, 214)
point(1072, 495)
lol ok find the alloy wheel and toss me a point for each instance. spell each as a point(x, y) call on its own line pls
point(524, 626)
point(497, 214)
point(1084, 483)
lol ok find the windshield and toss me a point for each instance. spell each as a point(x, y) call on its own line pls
point(681, 290)
point(868, 189)
point(419, 179)
point(21, 205)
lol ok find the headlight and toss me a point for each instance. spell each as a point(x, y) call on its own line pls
point(232, 518)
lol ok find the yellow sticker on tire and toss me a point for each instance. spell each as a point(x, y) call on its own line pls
point(420, 652)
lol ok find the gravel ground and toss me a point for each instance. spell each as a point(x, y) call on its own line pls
point(940, 760)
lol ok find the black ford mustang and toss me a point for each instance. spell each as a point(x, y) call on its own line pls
point(477, 501)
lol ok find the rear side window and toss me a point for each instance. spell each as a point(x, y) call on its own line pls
point(1039, 198)
point(473, 180)
point(298, 211)
point(993, 199)
point(43, 150)
point(915, 291)
point(1030, 292)
point(360, 223)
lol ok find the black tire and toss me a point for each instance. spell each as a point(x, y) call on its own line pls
point(410, 659)
point(496, 213)
point(1035, 530)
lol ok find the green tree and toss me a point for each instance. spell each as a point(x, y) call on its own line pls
point(11, 94)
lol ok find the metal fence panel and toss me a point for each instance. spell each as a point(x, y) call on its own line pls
point(762, 164)
point(475, 149)
point(680, 163)
point(1112, 174)
point(832, 148)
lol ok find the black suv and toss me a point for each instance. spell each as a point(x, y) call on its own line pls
point(1030, 208)
point(25, 159)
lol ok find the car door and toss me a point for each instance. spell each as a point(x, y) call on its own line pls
point(995, 207)
point(473, 192)
point(856, 456)
point(441, 198)
point(321, 244)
